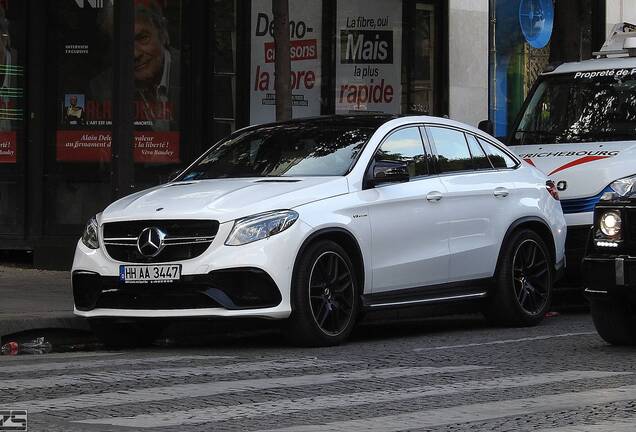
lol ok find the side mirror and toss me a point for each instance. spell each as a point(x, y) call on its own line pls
point(387, 171)
point(486, 126)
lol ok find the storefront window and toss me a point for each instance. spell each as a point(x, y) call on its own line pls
point(79, 169)
point(85, 102)
point(78, 153)
point(421, 87)
point(224, 76)
point(528, 35)
point(12, 53)
point(159, 148)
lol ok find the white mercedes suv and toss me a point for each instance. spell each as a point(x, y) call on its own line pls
point(314, 221)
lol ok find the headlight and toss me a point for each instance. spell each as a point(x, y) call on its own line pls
point(260, 226)
point(611, 223)
point(90, 237)
point(624, 186)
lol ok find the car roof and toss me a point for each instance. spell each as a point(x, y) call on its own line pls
point(374, 120)
point(594, 65)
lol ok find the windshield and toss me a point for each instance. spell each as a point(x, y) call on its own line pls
point(580, 107)
point(317, 149)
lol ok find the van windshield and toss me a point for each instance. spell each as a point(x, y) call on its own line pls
point(580, 107)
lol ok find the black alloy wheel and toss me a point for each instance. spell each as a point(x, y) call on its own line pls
point(331, 293)
point(324, 296)
point(523, 281)
point(531, 276)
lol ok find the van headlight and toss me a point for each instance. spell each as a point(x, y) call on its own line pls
point(624, 186)
point(610, 224)
point(260, 226)
point(90, 237)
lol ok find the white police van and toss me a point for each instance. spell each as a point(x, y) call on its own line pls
point(578, 125)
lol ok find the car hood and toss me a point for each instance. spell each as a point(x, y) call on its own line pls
point(223, 199)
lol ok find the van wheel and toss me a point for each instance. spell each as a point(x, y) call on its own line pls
point(324, 297)
point(523, 290)
point(115, 334)
point(614, 321)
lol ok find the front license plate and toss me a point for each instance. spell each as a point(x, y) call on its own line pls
point(149, 273)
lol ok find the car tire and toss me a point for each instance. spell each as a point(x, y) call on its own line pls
point(615, 322)
point(324, 297)
point(115, 334)
point(523, 282)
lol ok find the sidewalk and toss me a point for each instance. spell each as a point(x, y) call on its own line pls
point(36, 299)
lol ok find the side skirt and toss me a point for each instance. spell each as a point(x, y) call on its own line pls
point(435, 294)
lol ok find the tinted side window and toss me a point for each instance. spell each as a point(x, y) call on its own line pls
point(452, 150)
point(498, 157)
point(480, 159)
point(405, 145)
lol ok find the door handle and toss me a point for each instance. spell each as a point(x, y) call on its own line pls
point(501, 192)
point(434, 196)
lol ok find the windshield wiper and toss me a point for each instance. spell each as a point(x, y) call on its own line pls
point(603, 135)
point(538, 132)
point(541, 134)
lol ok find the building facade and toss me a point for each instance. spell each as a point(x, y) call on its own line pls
point(202, 69)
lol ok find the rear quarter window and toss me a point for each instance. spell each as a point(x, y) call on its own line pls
point(498, 158)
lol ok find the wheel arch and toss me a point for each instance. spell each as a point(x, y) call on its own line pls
point(347, 241)
point(535, 224)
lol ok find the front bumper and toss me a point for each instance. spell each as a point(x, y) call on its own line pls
point(614, 276)
point(252, 280)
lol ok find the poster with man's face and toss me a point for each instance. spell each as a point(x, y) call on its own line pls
point(85, 49)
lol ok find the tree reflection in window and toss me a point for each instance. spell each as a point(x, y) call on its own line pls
point(565, 109)
point(405, 145)
point(284, 150)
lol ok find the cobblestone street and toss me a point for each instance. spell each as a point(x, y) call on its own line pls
point(443, 374)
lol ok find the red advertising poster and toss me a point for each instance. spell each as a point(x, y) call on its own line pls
point(83, 146)
point(8, 147)
point(156, 147)
point(95, 146)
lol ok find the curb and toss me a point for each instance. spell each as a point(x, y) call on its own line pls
point(12, 325)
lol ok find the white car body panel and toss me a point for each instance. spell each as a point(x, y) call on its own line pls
point(409, 235)
point(404, 240)
point(477, 220)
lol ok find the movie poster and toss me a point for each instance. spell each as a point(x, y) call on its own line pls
point(85, 81)
point(368, 56)
point(305, 44)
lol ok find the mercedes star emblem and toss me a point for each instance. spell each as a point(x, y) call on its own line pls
point(150, 242)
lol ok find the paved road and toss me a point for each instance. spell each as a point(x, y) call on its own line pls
point(437, 375)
